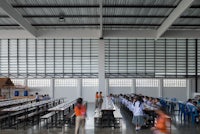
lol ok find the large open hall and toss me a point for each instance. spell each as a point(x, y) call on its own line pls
point(99, 66)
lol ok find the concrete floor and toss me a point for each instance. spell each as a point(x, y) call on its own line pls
point(126, 128)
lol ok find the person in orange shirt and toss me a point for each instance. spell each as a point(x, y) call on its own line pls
point(97, 100)
point(80, 112)
point(100, 100)
point(162, 122)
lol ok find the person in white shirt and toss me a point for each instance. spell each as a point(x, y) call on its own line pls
point(37, 97)
point(189, 103)
point(138, 115)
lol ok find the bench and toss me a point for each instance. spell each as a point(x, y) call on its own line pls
point(46, 118)
point(25, 118)
point(97, 119)
point(69, 118)
point(118, 117)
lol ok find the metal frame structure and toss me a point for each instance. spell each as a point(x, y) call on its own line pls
point(31, 65)
point(180, 50)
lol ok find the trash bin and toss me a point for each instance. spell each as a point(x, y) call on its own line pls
point(25, 93)
point(16, 93)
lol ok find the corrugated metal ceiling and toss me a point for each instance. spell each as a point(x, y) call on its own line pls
point(144, 17)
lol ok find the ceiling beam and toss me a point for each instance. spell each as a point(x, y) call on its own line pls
point(93, 6)
point(94, 33)
point(101, 19)
point(105, 25)
point(182, 6)
point(97, 6)
point(105, 16)
point(11, 12)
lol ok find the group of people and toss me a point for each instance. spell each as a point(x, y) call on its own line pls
point(43, 97)
point(98, 100)
point(138, 104)
point(81, 110)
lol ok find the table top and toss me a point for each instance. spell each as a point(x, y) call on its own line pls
point(14, 102)
point(108, 104)
point(62, 106)
point(29, 105)
point(3, 100)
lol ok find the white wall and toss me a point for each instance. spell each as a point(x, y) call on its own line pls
point(179, 93)
point(41, 90)
point(150, 91)
point(119, 90)
point(88, 93)
point(70, 93)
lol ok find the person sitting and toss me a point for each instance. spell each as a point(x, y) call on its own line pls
point(189, 103)
point(149, 102)
point(44, 97)
point(157, 102)
point(48, 97)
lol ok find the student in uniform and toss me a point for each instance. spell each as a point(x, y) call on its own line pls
point(138, 115)
point(80, 112)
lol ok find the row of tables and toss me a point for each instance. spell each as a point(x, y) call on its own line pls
point(30, 105)
point(27, 108)
point(14, 102)
point(109, 115)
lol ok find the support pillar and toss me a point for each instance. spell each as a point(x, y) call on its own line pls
point(79, 87)
point(101, 67)
point(160, 90)
point(133, 87)
point(53, 87)
point(189, 91)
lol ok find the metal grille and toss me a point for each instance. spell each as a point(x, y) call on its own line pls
point(49, 58)
point(147, 58)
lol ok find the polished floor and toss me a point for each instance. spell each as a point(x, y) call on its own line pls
point(178, 127)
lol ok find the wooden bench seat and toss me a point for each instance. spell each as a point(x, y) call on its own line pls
point(69, 118)
point(30, 115)
point(118, 117)
point(46, 117)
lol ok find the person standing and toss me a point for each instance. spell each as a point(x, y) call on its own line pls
point(96, 100)
point(138, 115)
point(162, 122)
point(80, 112)
point(100, 100)
point(37, 97)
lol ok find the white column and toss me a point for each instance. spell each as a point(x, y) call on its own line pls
point(101, 66)
point(79, 87)
point(53, 87)
point(107, 88)
point(133, 87)
point(25, 82)
point(160, 88)
point(189, 88)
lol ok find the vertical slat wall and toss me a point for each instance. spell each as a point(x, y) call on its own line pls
point(48, 58)
point(147, 58)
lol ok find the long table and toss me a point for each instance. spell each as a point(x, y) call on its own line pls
point(61, 109)
point(35, 106)
point(108, 115)
point(14, 102)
